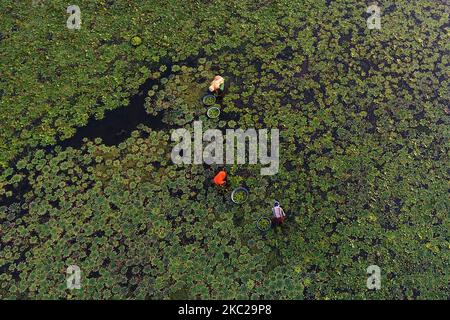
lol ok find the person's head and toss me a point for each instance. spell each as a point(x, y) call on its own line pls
point(276, 204)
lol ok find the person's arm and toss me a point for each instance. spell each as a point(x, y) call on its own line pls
point(282, 212)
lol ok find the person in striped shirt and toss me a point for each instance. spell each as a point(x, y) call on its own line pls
point(278, 214)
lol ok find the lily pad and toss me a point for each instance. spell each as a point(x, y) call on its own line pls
point(136, 41)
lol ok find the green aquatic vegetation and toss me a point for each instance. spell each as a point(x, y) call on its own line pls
point(213, 112)
point(209, 100)
point(363, 156)
point(263, 224)
point(136, 41)
point(239, 195)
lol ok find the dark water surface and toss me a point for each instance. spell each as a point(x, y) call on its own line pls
point(117, 125)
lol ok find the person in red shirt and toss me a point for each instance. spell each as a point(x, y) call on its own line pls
point(220, 178)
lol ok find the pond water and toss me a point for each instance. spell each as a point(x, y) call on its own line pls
point(117, 125)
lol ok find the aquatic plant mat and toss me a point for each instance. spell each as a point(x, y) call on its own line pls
point(86, 177)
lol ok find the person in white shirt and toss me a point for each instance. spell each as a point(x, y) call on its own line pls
point(217, 85)
point(278, 214)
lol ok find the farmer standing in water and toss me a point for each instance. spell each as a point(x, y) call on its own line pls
point(278, 214)
point(220, 178)
point(217, 86)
